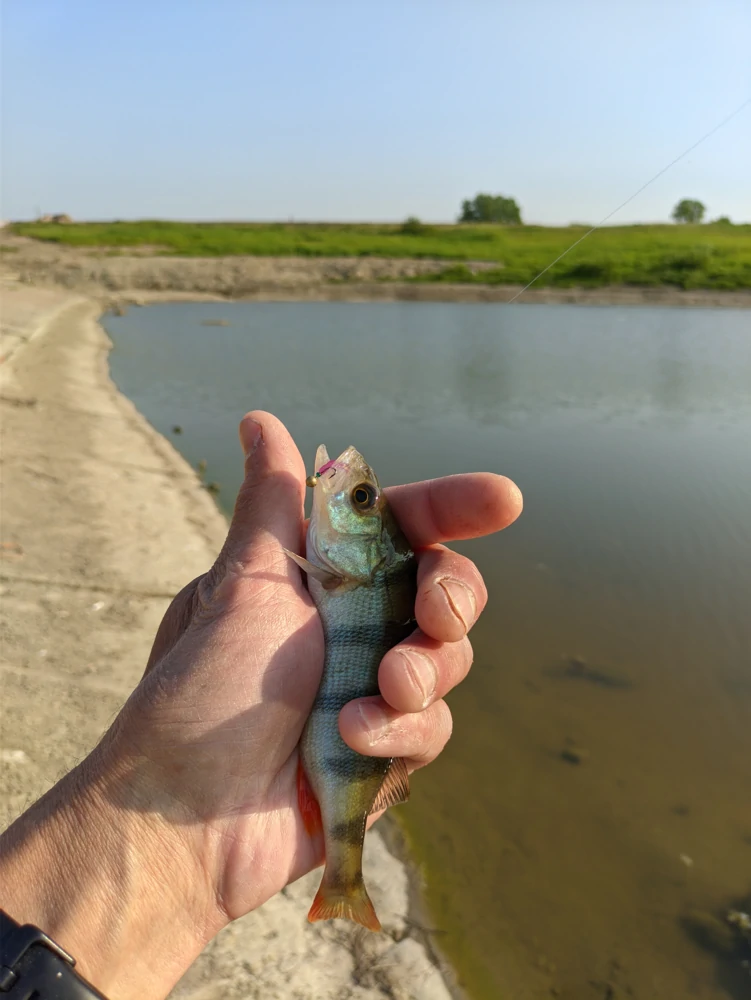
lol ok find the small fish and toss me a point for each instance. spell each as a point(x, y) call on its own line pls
point(362, 578)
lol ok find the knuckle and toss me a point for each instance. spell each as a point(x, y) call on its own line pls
point(220, 591)
point(441, 563)
point(179, 613)
point(438, 726)
point(474, 579)
point(247, 496)
point(432, 515)
point(453, 663)
point(446, 723)
point(482, 590)
point(227, 585)
point(176, 621)
point(245, 507)
point(462, 655)
point(207, 601)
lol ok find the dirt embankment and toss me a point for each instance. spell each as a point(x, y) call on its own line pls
point(91, 492)
point(136, 274)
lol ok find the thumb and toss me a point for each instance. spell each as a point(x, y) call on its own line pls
point(268, 511)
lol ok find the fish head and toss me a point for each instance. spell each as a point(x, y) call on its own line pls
point(352, 532)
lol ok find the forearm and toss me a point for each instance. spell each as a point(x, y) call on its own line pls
point(112, 883)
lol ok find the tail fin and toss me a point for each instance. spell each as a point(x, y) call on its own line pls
point(350, 902)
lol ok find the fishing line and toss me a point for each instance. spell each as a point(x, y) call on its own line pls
point(634, 195)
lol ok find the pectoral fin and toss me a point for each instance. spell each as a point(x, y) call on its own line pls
point(395, 787)
point(324, 576)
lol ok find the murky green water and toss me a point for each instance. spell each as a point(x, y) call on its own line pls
point(619, 630)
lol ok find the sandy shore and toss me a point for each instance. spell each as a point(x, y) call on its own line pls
point(136, 276)
point(91, 492)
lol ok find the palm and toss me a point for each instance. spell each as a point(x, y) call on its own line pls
point(231, 681)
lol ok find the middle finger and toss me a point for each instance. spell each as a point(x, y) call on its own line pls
point(420, 670)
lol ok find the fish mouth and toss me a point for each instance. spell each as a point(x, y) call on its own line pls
point(334, 475)
point(327, 481)
point(322, 458)
point(323, 477)
point(329, 471)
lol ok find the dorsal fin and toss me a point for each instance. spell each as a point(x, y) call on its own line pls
point(395, 787)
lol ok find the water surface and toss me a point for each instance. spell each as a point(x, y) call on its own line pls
point(590, 823)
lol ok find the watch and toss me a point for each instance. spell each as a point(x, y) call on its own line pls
point(33, 967)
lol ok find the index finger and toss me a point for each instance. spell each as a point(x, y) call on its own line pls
point(455, 507)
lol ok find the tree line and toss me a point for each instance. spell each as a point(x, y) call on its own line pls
point(503, 210)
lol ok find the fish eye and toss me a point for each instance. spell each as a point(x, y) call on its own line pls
point(364, 497)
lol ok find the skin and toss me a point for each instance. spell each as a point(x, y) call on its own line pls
point(185, 816)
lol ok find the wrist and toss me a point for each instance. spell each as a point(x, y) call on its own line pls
point(113, 882)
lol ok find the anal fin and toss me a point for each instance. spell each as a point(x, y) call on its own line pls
point(306, 800)
point(395, 787)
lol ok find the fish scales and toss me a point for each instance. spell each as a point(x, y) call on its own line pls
point(359, 628)
point(362, 578)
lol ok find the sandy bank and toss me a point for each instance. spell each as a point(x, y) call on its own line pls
point(138, 275)
point(91, 493)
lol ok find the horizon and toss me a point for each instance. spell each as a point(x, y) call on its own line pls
point(234, 112)
point(366, 222)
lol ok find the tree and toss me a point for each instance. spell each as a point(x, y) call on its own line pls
point(688, 210)
point(491, 208)
point(413, 227)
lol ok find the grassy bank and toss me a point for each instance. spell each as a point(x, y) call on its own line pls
point(709, 256)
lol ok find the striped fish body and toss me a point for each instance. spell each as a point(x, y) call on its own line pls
point(362, 578)
point(359, 628)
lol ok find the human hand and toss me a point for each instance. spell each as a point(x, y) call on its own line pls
point(214, 726)
point(200, 765)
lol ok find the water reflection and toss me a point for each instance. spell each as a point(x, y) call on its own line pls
point(672, 390)
point(484, 374)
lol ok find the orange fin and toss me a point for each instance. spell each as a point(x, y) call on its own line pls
point(306, 800)
point(352, 905)
point(395, 787)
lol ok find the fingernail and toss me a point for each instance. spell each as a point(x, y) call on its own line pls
point(461, 601)
point(421, 672)
point(374, 721)
point(250, 435)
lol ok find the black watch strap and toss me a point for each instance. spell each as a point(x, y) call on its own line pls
point(33, 967)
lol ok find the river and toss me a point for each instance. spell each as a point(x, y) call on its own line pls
point(589, 826)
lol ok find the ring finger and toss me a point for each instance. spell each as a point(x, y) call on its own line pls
point(373, 728)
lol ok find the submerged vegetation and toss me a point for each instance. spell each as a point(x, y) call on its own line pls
point(714, 256)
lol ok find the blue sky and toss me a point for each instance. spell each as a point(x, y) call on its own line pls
point(347, 110)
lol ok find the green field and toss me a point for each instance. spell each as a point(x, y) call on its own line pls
point(716, 256)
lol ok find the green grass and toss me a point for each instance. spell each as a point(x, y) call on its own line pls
point(716, 256)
